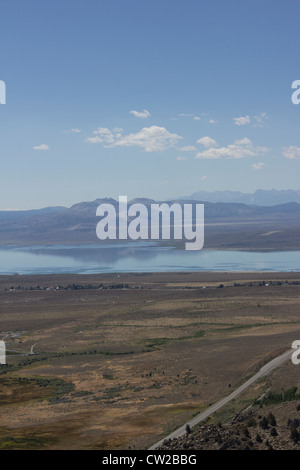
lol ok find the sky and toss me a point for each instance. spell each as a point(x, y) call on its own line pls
point(146, 98)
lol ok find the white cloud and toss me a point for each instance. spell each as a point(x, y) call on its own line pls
point(181, 159)
point(140, 114)
point(74, 131)
point(291, 152)
point(239, 149)
point(151, 139)
point(260, 119)
point(188, 148)
point(102, 135)
point(242, 120)
point(41, 147)
point(203, 178)
point(212, 121)
point(94, 140)
point(258, 166)
point(196, 118)
point(102, 131)
point(207, 142)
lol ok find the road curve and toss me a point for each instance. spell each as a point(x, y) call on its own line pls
point(265, 370)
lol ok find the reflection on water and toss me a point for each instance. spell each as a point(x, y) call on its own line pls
point(101, 253)
point(137, 257)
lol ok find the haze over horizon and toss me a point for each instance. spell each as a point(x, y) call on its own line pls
point(146, 98)
point(260, 197)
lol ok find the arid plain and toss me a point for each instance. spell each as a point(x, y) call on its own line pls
point(121, 360)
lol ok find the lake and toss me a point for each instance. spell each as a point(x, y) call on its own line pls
point(137, 257)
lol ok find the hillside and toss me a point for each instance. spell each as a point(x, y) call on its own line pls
point(274, 427)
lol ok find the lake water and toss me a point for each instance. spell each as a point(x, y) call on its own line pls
point(137, 257)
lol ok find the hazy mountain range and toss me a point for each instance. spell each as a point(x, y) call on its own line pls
point(227, 225)
point(261, 197)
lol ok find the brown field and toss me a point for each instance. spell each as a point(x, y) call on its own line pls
point(124, 359)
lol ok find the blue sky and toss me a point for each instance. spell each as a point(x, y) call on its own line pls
point(146, 98)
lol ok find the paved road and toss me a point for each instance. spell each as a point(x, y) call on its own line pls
point(265, 370)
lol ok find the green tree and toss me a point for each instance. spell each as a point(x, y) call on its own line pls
point(188, 429)
point(295, 436)
point(271, 419)
point(273, 432)
point(264, 423)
